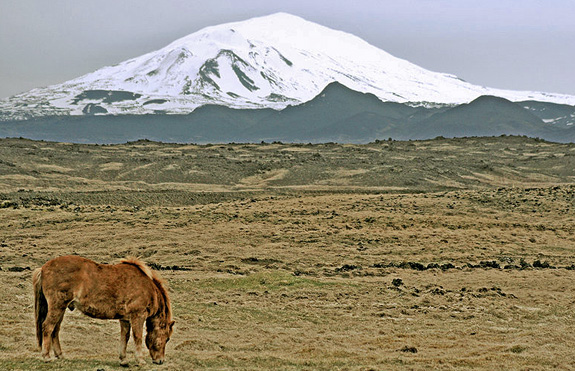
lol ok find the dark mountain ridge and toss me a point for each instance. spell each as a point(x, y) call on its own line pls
point(484, 116)
point(337, 114)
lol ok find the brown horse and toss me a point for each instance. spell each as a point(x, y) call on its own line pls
point(129, 291)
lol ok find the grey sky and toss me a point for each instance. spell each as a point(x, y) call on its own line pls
point(511, 44)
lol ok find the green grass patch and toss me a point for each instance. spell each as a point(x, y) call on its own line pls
point(517, 349)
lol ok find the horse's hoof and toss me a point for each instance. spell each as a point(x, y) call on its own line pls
point(124, 364)
point(47, 359)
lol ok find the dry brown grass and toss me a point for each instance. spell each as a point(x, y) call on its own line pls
point(304, 280)
point(294, 282)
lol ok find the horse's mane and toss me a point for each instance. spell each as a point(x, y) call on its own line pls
point(139, 264)
point(156, 278)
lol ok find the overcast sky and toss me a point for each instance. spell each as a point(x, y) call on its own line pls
point(510, 44)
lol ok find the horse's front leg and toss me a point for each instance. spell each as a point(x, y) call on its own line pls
point(124, 337)
point(137, 322)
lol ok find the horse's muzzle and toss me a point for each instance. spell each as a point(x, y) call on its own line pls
point(158, 361)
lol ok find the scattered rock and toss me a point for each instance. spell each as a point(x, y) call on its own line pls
point(486, 264)
point(489, 264)
point(437, 291)
point(539, 264)
point(18, 269)
point(412, 265)
point(446, 266)
point(160, 267)
point(259, 261)
point(4, 204)
point(408, 349)
point(347, 268)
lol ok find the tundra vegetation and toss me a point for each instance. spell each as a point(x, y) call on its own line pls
point(447, 253)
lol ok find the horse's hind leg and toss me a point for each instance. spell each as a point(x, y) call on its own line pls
point(56, 337)
point(124, 337)
point(52, 321)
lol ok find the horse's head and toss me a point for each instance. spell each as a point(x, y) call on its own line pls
point(158, 334)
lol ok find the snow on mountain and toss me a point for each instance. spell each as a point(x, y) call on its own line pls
point(271, 61)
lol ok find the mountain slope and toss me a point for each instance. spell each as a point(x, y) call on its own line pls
point(484, 116)
point(559, 115)
point(266, 62)
point(336, 114)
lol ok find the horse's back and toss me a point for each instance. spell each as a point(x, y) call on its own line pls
point(67, 261)
point(70, 268)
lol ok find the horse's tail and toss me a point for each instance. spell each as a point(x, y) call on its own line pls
point(40, 304)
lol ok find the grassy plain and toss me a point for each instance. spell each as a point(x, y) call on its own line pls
point(446, 254)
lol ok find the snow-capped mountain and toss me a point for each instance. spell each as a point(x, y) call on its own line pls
point(271, 61)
